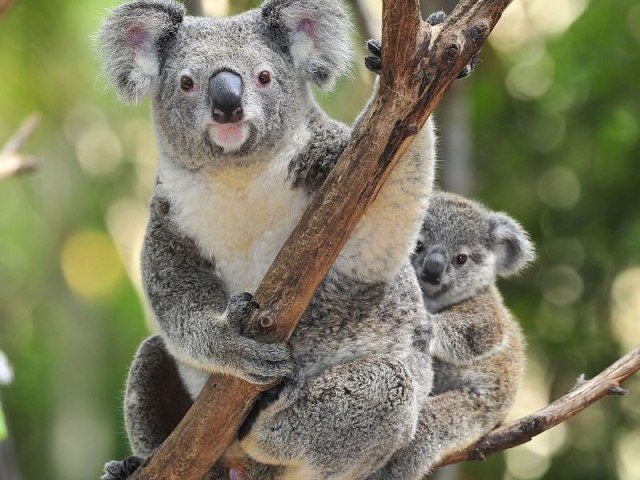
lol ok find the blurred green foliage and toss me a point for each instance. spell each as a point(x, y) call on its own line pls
point(556, 143)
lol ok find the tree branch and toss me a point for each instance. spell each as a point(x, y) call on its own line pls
point(583, 394)
point(414, 77)
point(4, 6)
point(11, 161)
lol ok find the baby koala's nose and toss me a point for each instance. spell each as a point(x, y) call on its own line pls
point(226, 93)
point(433, 267)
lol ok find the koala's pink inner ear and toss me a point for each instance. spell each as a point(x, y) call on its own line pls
point(307, 26)
point(136, 37)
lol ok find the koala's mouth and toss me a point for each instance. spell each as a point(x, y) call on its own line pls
point(230, 136)
point(433, 291)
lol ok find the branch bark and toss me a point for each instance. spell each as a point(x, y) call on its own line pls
point(4, 6)
point(580, 397)
point(11, 161)
point(414, 77)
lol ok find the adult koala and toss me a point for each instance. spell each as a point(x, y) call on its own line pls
point(243, 149)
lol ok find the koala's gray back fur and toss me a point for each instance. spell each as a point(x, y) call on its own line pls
point(477, 345)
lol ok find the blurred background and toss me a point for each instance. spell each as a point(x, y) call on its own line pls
point(547, 129)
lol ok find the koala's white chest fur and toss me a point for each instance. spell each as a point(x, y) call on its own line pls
point(239, 217)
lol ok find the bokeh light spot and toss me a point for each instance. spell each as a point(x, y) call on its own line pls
point(628, 460)
point(99, 151)
point(91, 265)
point(625, 318)
point(215, 8)
point(633, 22)
point(526, 465)
point(561, 285)
point(531, 80)
point(559, 187)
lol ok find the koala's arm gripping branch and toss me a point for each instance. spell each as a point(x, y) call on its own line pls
point(580, 397)
point(416, 73)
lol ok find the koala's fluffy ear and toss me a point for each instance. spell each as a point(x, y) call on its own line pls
point(316, 33)
point(132, 40)
point(511, 244)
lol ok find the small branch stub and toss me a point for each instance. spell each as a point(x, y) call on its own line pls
point(12, 162)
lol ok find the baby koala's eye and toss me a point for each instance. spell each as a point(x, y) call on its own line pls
point(460, 259)
point(419, 247)
point(264, 77)
point(186, 83)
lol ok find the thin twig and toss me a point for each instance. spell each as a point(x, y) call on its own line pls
point(11, 161)
point(585, 393)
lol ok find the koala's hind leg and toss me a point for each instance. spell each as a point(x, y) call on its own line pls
point(156, 399)
point(448, 422)
point(155, 402)
point(342, 424)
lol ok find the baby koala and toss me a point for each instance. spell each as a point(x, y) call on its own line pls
point(477, 346)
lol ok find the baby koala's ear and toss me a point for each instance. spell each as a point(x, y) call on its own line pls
point(132, 41)
point(316, 33)
point(510, 244)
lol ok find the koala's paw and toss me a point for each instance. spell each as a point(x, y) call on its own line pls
point(259, 363)
point(373, 62)
point(436, 18)
point(122, 469)
point(240, 309)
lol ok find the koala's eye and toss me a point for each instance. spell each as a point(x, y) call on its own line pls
point(264, 78)
point(186, 83)
point(419, 247)
point(460, 259)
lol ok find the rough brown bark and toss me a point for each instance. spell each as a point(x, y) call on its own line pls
point(414, 77)
point(580, 397)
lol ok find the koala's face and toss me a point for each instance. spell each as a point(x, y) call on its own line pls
point(228, 94)
point(462, 247)
point(228, 90)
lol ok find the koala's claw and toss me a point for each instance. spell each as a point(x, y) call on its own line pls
point(122, 469)
point(240, 308)
point(436, 18)
point(373, 62)
point(466, 71)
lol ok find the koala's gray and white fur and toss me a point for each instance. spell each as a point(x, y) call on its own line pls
point(242, 153)
point(477, 345)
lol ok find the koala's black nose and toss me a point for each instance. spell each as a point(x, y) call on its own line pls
point(433, 267)
point(226, 94)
